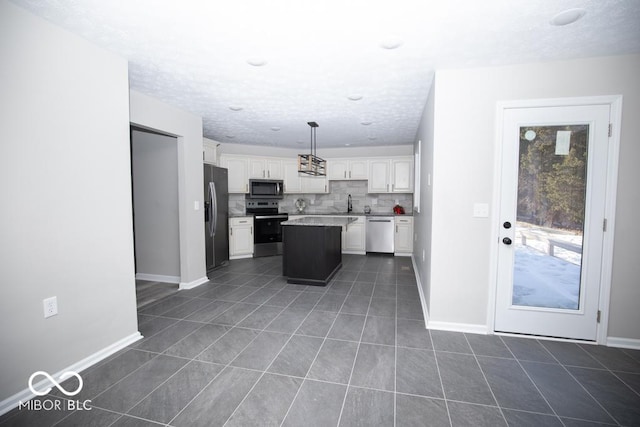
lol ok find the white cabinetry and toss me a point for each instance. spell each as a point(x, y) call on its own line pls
point(210, 152)
point(314, 184)
point(238, 167)
point(292, 181)
point(403, 240)
point(391, 176)
point(241, 237)
point(346, 169)
point(402, 175)
point(353, 237)
point(262, 167)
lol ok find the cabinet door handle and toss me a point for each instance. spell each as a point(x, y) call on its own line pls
point(349, 174)
point(231, 231)
point(393, 187)
point(263, 173)
point(345, 174)
point(269, 174)
point(396, 228)
point(251, 230)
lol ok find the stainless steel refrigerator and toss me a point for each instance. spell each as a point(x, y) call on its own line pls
point(216, 216)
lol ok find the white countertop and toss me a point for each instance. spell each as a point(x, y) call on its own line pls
point(321, 221)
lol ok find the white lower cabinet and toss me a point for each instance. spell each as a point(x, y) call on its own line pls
point(353, 237)
point(241, 237)
point(403, 240)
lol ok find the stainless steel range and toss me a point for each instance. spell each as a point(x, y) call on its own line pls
point(267, 237)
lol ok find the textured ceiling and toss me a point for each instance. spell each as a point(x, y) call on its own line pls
point(195, 55)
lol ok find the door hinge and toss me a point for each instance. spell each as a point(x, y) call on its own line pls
point(604, 224)
point(610, 129)
point(598, 317)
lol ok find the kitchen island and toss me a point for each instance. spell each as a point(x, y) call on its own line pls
point(312, 249)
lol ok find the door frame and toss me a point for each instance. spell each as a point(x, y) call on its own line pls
point(615, 118)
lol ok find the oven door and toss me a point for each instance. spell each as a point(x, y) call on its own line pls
point(267, 236)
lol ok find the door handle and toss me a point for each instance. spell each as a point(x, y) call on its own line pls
point(507, 241)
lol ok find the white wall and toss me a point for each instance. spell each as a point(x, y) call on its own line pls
point(149, 113)
point(65, 221)
point(464, 139)
point(154, 160)
point(422, 221)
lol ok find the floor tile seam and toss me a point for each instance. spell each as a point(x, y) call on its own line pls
point(168, 310)
point(591, 395)
point(444, 392)
point(156, 355)
point(625, 383)
point(57, 422)
point(314, 359)
point(519, 362)
point(395, 363)
point(493, 395)
point(201, 390)
point(355, 359)
point(156, 388)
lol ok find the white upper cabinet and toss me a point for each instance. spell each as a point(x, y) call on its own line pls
point(345, 169)
point(402, 175)
point(210, 152)
point(238, 167)
point(394, 175)
point(267, 168)
point(314, 184)
point(379, 174)
point(292, 181)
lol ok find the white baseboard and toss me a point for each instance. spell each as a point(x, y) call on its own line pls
point(469, 328)
point(157, 278)
point(631, 343)
point(241, 256)
point(423, 301)
point(403, 254)
point(191, 285)
point(26, 394)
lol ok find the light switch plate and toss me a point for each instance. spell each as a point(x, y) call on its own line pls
point(196, 205)
point(481, 210)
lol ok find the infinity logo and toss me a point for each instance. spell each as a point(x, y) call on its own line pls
point(55, 383)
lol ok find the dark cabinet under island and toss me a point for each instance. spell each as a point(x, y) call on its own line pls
point(312, 249)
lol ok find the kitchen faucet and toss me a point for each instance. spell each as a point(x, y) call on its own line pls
point(349, 206)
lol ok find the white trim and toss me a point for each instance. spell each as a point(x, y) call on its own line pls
point(157, 278)
point(26, 394)
point(470, 328)
point(191, 285)
point(354, 252)
point(544, 338)
point(615, 117)
point(241, 256)
point(403, 254)
point(631, 343)
point(423, 301)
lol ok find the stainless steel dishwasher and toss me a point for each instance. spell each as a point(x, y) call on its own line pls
point(380, 234)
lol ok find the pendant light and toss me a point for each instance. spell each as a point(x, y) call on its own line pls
point(311, 164)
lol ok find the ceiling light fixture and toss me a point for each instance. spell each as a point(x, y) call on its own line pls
point(275, 128)
point(311, 164)
point(567, 17)
point(366, 123)
point(391, 42)
point(354, 97)
point(235, 108)
point(257, 62)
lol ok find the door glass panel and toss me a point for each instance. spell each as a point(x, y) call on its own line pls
point(549, 230)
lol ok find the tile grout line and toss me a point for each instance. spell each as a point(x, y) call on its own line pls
point(355, 359)
point(276, 356)
point(316, 356)
point(444, 393)
point(475, 357)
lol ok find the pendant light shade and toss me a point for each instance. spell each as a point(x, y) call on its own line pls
point(311, 164)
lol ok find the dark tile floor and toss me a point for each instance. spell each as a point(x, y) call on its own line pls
point(247, 349)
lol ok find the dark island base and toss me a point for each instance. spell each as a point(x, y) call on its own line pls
point(311, 254)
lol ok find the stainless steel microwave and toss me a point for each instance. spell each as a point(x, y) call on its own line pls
point(266, 188)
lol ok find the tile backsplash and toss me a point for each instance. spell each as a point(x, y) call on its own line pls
point(336, 200)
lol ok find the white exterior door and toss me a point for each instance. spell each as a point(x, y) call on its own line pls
point(552, 213)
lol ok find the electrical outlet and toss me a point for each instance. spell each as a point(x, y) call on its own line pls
point(50, 306)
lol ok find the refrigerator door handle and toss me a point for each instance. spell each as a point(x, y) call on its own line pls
point(213, 223)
